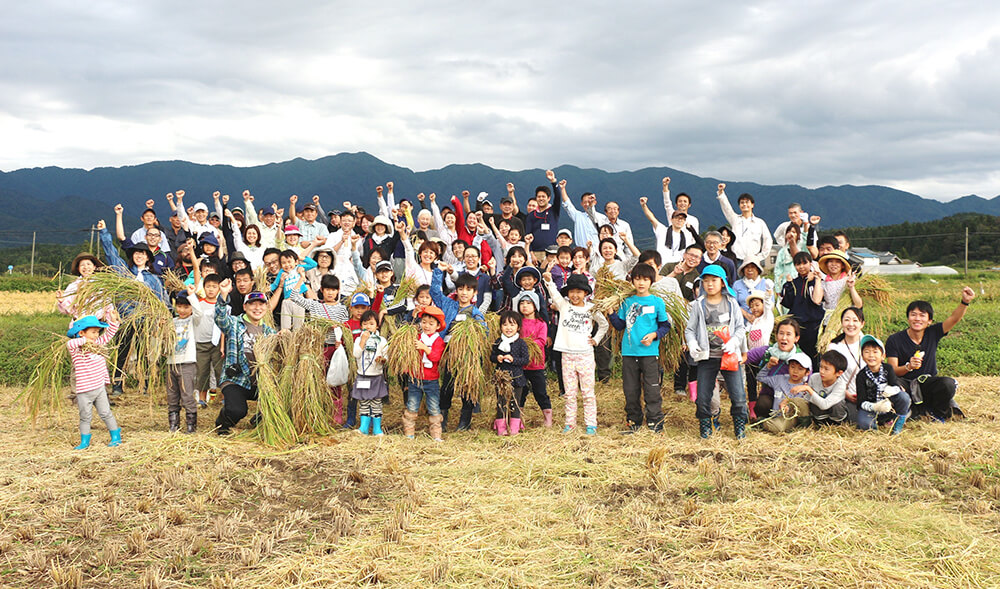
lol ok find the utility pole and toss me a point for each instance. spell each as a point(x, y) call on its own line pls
point(33, 233)
point(91, 248)
point(966, 251)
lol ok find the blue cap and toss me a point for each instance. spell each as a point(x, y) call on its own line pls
point(83, 323)
point(361, 299)
point(871, 340)
point(209, 238)
point(719, 272)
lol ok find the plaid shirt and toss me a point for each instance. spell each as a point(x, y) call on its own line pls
point(234, 329)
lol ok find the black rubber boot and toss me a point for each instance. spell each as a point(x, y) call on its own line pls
point(192, 421)
point(174, 420)
point(705, 427)
point(465, 419)
point(444, 420)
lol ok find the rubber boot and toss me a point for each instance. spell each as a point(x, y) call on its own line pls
point(501, 426)
point(377, 426)
point(693, 391)
point(84, 442)
point(897, 426)
point(444, 419)
point(465, 419)
point(173, 421)
point(116, 437)
point(409, 424)
point(516, 426)
point(366, 422)
point(352, 413)
point(435, 427)
point(705, 427)
point(751, 405)
point(117, 390)
point(740, 427)
point(547, 415)
point(192, 421)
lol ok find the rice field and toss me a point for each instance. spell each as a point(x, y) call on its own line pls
point(816, 508)
point(27, 303)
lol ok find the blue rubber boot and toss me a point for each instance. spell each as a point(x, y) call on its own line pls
point(366, 422)
point(84, 442)
point(897, 427)
point(376, 426)
point(116, 437)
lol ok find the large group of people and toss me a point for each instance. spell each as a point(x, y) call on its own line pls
point(251, 270)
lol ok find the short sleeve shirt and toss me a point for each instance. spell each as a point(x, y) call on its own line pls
point(900, 346)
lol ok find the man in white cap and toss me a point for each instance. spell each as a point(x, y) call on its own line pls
point(307, 223)
point(199, 223)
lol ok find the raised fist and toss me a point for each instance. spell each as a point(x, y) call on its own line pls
point(180, 194)
point(150, 203)
point(216, 194)
point(225, 199)
point(510, 188)
point(388, 186)
point(562, 184)
point(432, 197)
point(170, 196)
point(118, 209)
point(642, 201)
point(666, 183)
point(722, 188)
point(248, 197)
point(465, 193)
point(421, 197)
point(550, 175)
point(246, 193)
point(316, 199)
point(379, 190)
point(293, 199)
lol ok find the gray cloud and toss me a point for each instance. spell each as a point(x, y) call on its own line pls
point(823, 93)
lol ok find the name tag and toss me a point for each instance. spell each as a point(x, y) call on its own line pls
point(364, 384)
point(648, 309)
point(724, 317)
point(461, 317)
point(689, 285)
point(545, 226)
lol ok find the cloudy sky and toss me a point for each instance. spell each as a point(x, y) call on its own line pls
point(814, 93)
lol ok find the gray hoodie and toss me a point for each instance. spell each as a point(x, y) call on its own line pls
point(696, 332)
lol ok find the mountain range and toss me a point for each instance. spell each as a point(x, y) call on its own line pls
point(62, 203)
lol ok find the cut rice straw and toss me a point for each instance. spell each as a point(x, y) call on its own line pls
point(403, 358)
point(467, 358)
point(51, 374)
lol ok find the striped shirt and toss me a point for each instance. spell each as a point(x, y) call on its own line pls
point(91, 369)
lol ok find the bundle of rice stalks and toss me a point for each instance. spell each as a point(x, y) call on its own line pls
point(366, 288)
point(275, 427)
point(260, 281)
point(407, 288)
point(467, 358)
point(873, 289)
point(672, 344)
point(535, 352)
point(172, 282)
point(389, 326)
point(609, 292)
point(311, 407)
point(402, 356)
point(51, 374)
point(503, 384)
point(492, 323)
point(142, 313)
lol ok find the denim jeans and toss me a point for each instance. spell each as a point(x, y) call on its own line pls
point(430, 391)
point(900, 405)
point(708, 370)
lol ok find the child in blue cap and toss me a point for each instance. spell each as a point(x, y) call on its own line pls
point(90, 372)
point(716, 309)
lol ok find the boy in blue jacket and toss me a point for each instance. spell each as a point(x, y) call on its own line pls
point(461, 308)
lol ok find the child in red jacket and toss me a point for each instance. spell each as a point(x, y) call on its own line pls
point(431, 345)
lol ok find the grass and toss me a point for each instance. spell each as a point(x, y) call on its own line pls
point(827, 508)
point(27, 303)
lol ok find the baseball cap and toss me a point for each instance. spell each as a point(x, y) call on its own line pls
point(361, 299)
point(802, 359)
point(200, 206)
point(383, 265)
point(255, 296)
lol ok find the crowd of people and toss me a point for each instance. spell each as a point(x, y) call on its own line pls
point(250, 271)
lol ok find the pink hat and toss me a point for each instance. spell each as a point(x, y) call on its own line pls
point(292, 230)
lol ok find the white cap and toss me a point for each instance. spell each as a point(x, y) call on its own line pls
point(201, 207)
point(802, 359)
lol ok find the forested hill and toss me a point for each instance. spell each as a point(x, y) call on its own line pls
point(71, 199)
point(935, 242)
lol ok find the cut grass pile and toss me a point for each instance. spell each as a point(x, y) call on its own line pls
point(829, 508)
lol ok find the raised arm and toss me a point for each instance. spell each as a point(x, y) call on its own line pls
point(291, 208)
point(967, 295)
point(119, 226)
point(510, 193)
point(668, 205)
point(110, 252)
point(643, 202)
point(727, 208)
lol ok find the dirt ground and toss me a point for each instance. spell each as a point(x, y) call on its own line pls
point(817, 508)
